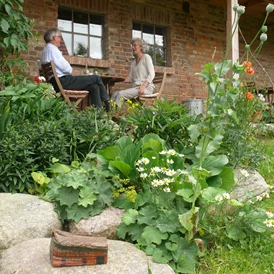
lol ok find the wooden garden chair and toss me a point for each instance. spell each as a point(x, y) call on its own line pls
point(157, 94)
point(72, 97)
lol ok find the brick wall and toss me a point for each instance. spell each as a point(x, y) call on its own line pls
point(194, 37)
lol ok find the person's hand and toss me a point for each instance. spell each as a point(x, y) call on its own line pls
point(141, 90)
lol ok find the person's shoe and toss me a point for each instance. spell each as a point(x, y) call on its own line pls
point(107, 106)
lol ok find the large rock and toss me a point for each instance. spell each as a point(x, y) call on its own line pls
point(32, 257)
point(104, 224)
point(253, 184)
point(25, 217)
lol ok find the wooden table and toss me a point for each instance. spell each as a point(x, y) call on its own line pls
point(109, 81)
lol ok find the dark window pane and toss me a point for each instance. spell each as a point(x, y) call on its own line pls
point(64, 19)
point(80, 22)
point(160, 57)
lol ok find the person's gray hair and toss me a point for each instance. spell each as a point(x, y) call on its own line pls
point(141, 42)
point(48, 36)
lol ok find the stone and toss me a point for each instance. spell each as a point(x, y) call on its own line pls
point(25, 217)
point(104, 225)
point(32, 257)
point(254, 183)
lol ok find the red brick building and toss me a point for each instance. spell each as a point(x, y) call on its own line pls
point(190, 34)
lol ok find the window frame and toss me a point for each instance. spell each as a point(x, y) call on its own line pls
point(154, 45)
point(89, 34)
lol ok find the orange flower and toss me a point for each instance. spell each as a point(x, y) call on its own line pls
point(249, 96)
point(247, 64)
point(37, 80)
point(249, 70)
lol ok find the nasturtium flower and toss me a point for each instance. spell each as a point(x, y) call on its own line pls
point(248, 96)
point(249, 70)
point(247, 64)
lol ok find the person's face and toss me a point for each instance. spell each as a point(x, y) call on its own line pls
point(136, 48)
point(57, 39)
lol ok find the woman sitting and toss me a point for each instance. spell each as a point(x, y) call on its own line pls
point(141, 74)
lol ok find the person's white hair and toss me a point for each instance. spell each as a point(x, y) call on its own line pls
point(51, 33)
point(141, 42)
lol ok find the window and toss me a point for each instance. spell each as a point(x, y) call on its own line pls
point(156, 39)
point(82, 32)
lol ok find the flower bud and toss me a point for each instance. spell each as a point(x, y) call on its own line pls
point(235, 7)
point(263, 37)
point(264, 29)
point(241, 10)
point(269, 8)
point(247, 47)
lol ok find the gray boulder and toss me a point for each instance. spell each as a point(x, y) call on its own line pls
point(253, 184)
point(25, 217)
point(104, 225)
point(33, 257)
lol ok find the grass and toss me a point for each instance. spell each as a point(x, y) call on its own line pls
point(253, 255)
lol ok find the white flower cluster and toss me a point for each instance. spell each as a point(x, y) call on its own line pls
point(270, 221)
point(163, 176)
point(220, 198)
point(262, 196)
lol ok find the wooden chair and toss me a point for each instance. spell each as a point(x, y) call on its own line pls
point(159, 79)
point(72, 97)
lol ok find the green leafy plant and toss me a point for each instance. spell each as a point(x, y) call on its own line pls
point(163, 210)
point(15, 34)
point(78, 191)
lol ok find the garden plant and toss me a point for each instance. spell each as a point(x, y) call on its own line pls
point(171, 172)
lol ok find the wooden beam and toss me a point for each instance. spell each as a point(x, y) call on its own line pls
point(234, 52)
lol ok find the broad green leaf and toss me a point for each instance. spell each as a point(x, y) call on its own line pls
point(110, 153)
point(215, 164)
point(122, 230)
point(121, 166)
point(130, 154)
point(87, 197)
point(146, 214)
point(40, 178)
point(68, 196)
point(159, 257)
point(4, 25)
point(210, 193)
point(194, 133)
point(186, 220)
point(227, 176)
point(60, 168)
point(235, 233)
point(168, 222)
point(130, 216)
point(77, 213)
point(187, 256)
point(154, 235)
point(104, 191)
point(171, 246)
point(223, 67)
point(74, 179)
point(135, 231)
point(186, 193)
point(123, 142)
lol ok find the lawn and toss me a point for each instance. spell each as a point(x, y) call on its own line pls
point(254, 254)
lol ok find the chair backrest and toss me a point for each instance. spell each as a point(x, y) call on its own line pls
point(162, 80)
point(48, 70)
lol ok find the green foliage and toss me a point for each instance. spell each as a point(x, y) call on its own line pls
point(78, 191)
point(162, 220)
point(15, 32)
point(35, 127)
point(162, 118)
